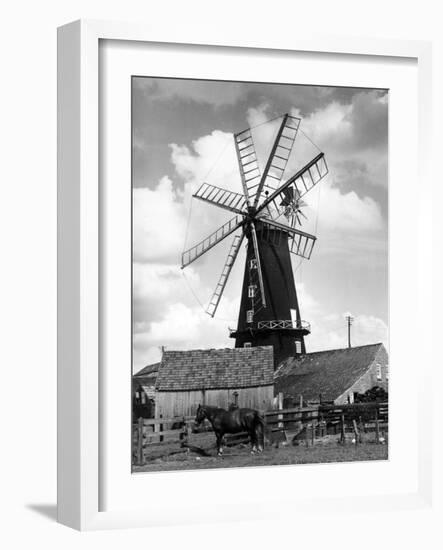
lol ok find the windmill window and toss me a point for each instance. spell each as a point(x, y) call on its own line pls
point(251, 291)
point(253, 264)
point(247, 345)
point(298, 346)
point(249, 315)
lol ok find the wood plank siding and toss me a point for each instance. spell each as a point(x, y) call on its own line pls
point(185, 403)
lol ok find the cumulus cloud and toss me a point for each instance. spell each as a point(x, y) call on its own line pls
point(154, 286)
point(159, 221)
point(167, 313)
point(348, 212)
point(181, 327)
point(329, 328)
point(210, 159)
point(353, 135)
point(168, 304)
point(341, 209)
point(359, 125)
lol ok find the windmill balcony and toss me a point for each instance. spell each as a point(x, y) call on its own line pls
point(279, 324)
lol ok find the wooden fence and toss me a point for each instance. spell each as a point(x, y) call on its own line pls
point(302, 424)
point(316, 421)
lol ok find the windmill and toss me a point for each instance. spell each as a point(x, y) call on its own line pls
point(268, 213)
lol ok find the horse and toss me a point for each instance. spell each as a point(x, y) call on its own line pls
point(231, 422)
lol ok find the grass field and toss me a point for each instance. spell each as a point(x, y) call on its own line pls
point(240, 455)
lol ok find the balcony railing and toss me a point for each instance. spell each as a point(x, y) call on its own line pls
point(280, 324)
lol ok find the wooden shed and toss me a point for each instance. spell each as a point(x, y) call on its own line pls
point(217, 377)
point(335, 375)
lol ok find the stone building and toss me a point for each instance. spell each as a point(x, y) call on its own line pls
point(333, 375)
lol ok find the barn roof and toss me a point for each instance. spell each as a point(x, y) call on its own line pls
point(149, 370)
point(216, 369)
point(329, 373)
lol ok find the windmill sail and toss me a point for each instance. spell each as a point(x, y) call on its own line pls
point(248, 163)
point(309, 176)
point(234, 202)
point(279, 156)
point(232, 255)
point(203, 246)
point(259, 270)
point(268, 293)
point(300, 242)
point(301, 182)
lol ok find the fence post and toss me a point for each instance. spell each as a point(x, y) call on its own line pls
point(356, 434)
point(160, 429)
point(342, 427)
point(300, 401)
point(140, 442)
point(307, 434)
point(312, 432)
point(184, 433)
point(280, 407)
point(377, 427)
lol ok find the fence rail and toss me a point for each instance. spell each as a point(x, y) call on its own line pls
point(305, 423)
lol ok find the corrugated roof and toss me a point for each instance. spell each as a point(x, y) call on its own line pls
point(329, 373)
point(216, 368)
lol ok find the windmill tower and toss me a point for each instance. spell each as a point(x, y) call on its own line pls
point(268, 215)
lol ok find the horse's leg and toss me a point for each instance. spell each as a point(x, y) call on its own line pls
point(260, 436)
point(253, 438)
point(222, 442)
point(219, 437)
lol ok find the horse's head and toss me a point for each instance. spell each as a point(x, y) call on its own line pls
point(200, 416)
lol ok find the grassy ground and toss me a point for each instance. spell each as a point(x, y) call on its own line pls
point(323, 451)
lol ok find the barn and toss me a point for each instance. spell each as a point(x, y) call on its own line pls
point(333, 375)
point(217, 377)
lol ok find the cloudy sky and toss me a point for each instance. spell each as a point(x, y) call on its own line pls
point(183, 136)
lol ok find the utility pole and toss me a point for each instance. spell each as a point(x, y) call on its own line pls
point(349, 320)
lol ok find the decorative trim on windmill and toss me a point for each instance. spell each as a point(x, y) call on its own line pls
point(268, 293)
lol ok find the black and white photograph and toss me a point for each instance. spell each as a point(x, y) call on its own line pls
point(259, 274)
point(223, 249)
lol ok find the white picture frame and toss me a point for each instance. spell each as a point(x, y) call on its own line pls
point(80, 413)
